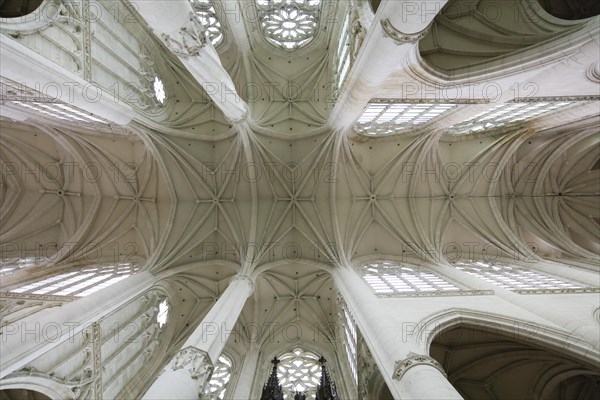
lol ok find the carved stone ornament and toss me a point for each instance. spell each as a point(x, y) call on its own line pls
point(192, 39)
point(593, 72)
point(412, 360)
point(402, 38)
point(196, 362)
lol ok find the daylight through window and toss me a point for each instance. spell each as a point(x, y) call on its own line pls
point(299, 371)
point(387, 277)
point(505, 114)
point(219, 380)
point(289, 24)
point(80, 283)
point(208, 18)
point(387, 118)
point(513, 277)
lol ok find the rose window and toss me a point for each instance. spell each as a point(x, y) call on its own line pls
point(289, 23)
point(208, 18)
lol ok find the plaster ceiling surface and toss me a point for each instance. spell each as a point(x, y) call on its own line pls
point(285, 185)
point(291, 190)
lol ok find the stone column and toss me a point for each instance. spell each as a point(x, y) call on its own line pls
point(185, 36)
point(186, 375)
point(420, 377)
point(408, 375)
point(243, 388)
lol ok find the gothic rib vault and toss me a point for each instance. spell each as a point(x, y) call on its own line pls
point(251, 166)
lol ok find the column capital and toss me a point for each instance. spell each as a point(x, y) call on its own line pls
point(194, 361)
point(413, 360)
point(243, 118)
point(249, 279)
point(192, 38)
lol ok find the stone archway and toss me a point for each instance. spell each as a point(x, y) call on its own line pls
point(485, 363)
point(22, 394)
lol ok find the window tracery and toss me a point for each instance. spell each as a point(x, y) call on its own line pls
point(219, 380)
point(80, 283)
point(514, 277)
point(344, 53)
point(299, 371)
point(505, 114)
point(60, 111)
point(13, 265)
point(207, 14)
point(350, 339)
point(386, 277)
point(289, 24)
point(387, 118)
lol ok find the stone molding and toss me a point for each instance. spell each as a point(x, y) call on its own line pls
point(196, 363)
point(250, 280)
point(441, 293)
point(554, 98)
point(401, 38)
point(193, 38)
point(558, 291)
point(413, 360)
point(593, 73)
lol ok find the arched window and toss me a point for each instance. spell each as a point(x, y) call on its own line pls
point(387, 117)
point(386, 277)
point(350, 339)
point(208, 18)
point(18, 8)
point(505, 114)
point(289, 24)
point(79, 283)
point(13, 265)
point(219, 380)
point(513, 277)
point(344, 52)
point(299, 371)
point(163, 313)
point(159, 90)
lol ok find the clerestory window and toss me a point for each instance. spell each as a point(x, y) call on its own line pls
point(390, 278)
point(350, 340)
point(289, 24)
point(13, 265)
point(514, 277)
point(388, 117)
point(344, 52)
point(505, 114)
point(207, 14)
point(79, 283)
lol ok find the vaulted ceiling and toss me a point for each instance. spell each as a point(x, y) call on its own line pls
point(291, 189)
